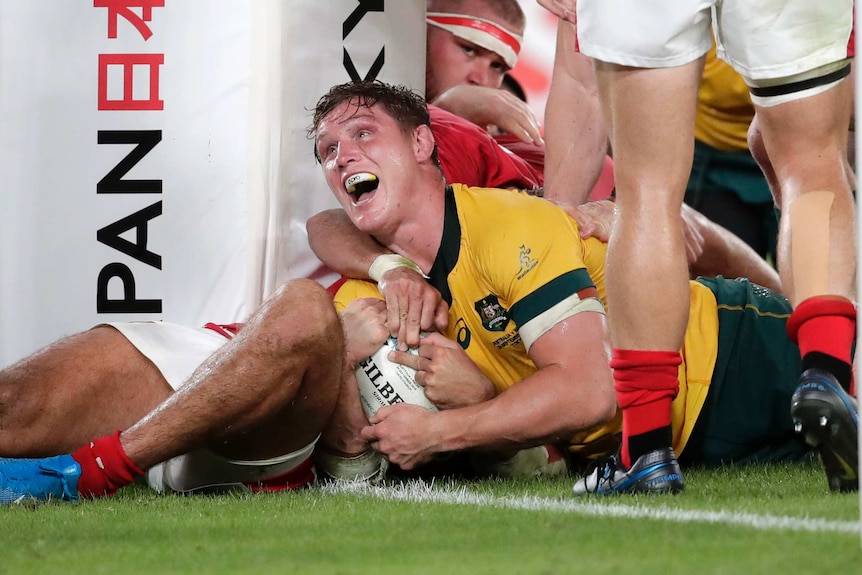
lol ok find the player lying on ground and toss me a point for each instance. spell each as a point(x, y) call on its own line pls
point(524, 291)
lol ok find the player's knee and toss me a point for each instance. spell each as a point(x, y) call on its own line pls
point(303, 312)
point(755, 143)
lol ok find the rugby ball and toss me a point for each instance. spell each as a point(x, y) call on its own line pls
point(384, 382)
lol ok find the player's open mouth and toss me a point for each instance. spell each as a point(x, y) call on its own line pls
point(360, 184)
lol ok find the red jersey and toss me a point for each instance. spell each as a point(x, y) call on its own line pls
point(535, 156)
point(469, 155)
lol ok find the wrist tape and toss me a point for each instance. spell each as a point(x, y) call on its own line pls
point(386, 262)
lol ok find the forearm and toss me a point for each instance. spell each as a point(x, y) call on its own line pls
point(726, 254)
point(568, 393)
point(575, 134)
point(543, 408)
point(340, 245)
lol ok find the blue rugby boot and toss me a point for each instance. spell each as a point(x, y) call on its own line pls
point(39, 479)
point(828, 419)
point(654, 472)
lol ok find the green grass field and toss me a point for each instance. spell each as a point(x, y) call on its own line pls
point(776, 519)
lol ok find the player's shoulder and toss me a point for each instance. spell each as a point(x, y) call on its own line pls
point(488, 210)
point(472, 197)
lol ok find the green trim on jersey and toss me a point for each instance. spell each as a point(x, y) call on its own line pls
point(450, 248)
point(549, 294)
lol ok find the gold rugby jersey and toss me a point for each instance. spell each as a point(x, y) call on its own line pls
point(510, 266)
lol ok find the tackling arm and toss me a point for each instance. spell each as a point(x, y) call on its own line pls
point(485, 106)
point(340, 245)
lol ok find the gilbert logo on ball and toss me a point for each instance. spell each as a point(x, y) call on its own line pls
point(384, 382)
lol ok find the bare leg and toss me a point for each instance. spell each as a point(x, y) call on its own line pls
point(269, 391)
point(802, 148)
point(85, 386)
point(806, 143)
point(266, 393)
point(341, 436)
point(341, 452)
point(647, 270)
point(650, 115)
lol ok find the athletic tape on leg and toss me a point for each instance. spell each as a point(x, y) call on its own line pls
point(809, 243)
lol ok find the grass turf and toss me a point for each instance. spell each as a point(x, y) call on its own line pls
point(525, 526)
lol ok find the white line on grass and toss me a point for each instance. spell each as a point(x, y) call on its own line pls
point(420, 492)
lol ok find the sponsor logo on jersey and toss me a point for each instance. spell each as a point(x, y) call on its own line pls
point(527, 261)
point(507, 340)
point(462, 333)
point(494, 316)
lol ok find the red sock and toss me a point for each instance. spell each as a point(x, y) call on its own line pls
point(646, 383)
point(825, 324)
point(105, 467)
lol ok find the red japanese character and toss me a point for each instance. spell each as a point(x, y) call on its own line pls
point(124, 8)
point(129, 62)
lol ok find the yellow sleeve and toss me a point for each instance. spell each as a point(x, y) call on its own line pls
point(354, 289)
point(535, 264)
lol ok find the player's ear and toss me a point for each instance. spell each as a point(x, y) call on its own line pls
point(423, 142)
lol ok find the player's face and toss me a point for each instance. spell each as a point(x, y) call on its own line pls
point(452, 61)
point(368, 161)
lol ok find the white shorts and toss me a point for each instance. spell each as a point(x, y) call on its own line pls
point(203, 470)
point(761, 39)
point(176, 351)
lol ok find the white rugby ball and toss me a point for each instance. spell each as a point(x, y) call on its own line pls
point(384, 382)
